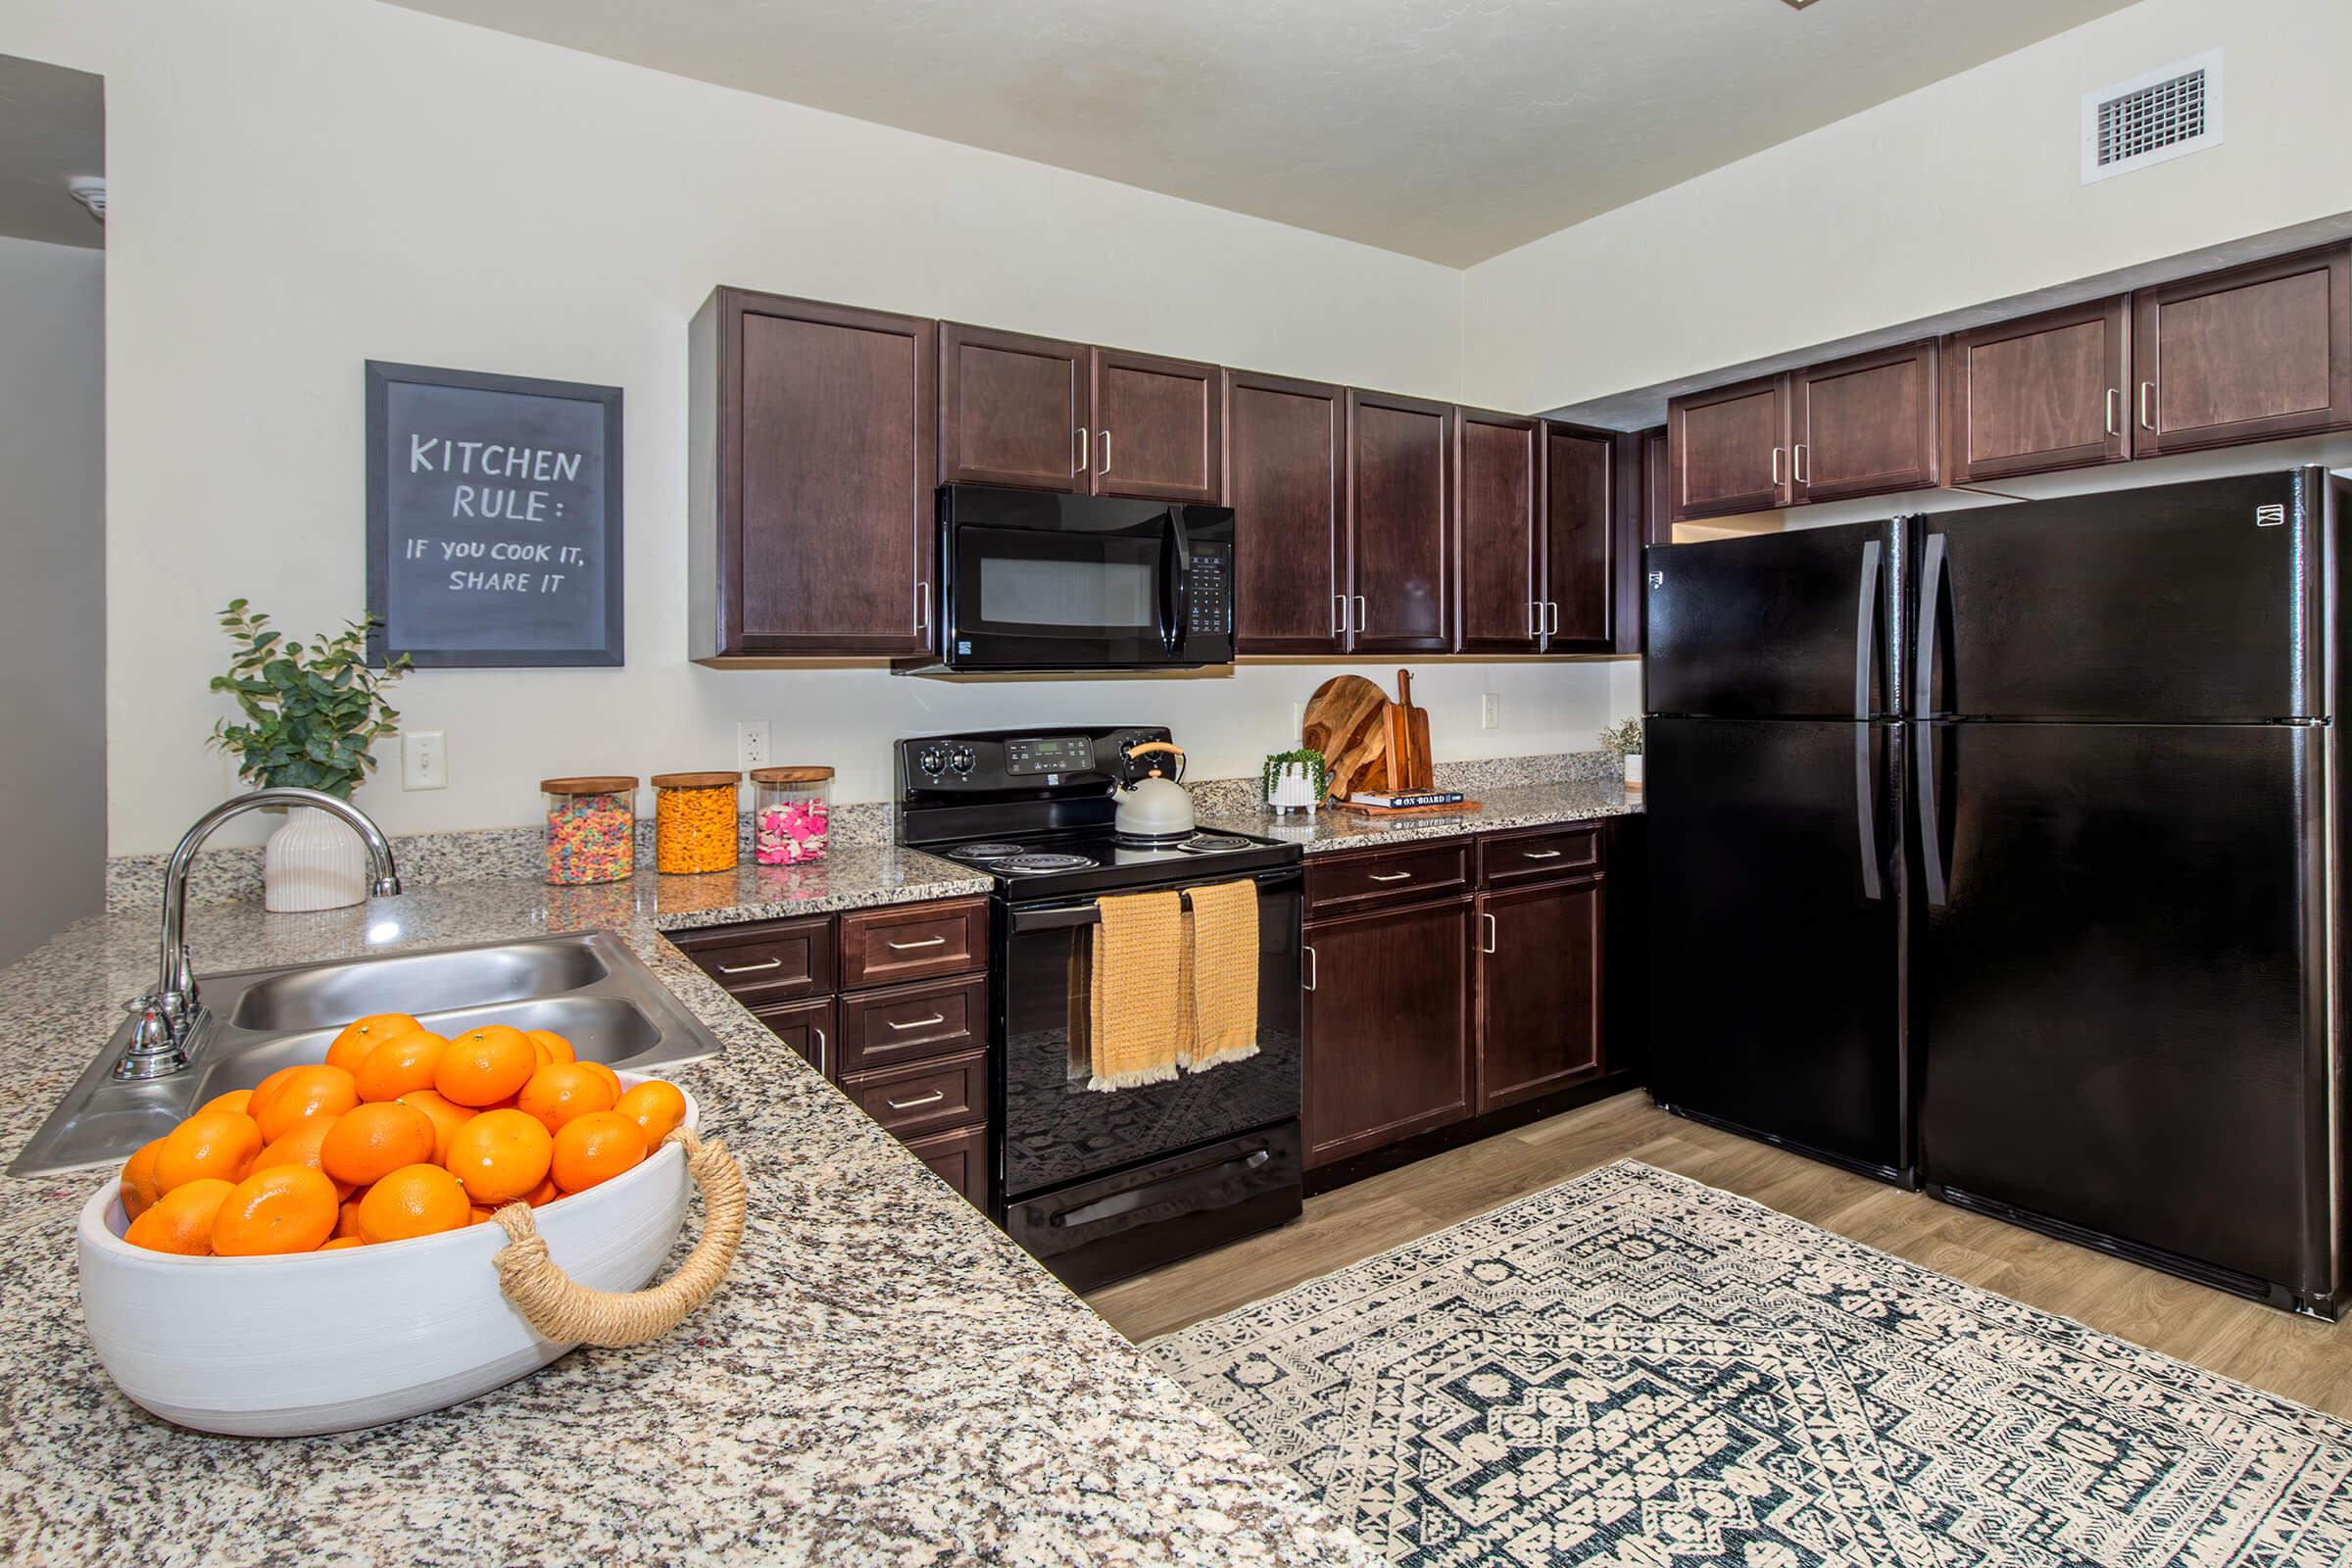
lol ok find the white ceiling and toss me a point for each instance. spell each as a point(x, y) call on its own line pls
point(51, 127)
point(1451, 129)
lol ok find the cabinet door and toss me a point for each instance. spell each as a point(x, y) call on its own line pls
point(1498, 549)
point(1388, 1027)
point(1286, 451)
point(1160, 427)
point(2247, 355)
point(1400, 522)
point(808, 1027)
point(1864, 427)
point(1539, 990)
point(2045, 392)
point(814, 531)
point(1012, 410)
point(1728, 448)
point(1578, 586)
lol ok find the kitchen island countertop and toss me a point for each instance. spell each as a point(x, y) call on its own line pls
point(884, 1377)
point(1512, 805)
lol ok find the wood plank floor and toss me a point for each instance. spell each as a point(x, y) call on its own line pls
point(2297, 1357)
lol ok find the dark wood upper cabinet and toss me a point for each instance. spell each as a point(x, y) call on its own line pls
point(1499, 605)
point(1160, 427)
point(1578, 539)
point(1540, 992)
point(1400, 521)
point(1014, 410)
point(1728, 450)
point(1657, 470)
point(1864, 425)
point(2041, 393)
point(814, 463)
point(1286, 456)
point(1388, 1027)
point(2251, 354)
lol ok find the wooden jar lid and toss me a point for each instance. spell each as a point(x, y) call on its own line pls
point(791, 776)
point(589, 784)
point(694, 781)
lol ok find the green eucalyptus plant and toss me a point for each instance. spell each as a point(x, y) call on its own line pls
point(1624, 738)
point(311, 711)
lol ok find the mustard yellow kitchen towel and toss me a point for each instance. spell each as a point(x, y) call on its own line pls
point(1135, 1004)
point(1221, 982)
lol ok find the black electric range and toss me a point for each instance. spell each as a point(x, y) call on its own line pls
point(1099, 1185)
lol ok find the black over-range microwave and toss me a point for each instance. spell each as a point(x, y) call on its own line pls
point(1035, 581)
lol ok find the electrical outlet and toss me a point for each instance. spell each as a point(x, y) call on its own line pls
point(1489, 709)
point(753, 743)
point(1298, 722)
point(423, 759)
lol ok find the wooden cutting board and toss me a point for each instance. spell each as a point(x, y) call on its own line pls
point(1408, 765)
point(1347, 720)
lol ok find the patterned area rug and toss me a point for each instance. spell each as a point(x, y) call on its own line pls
point(1632, 1368)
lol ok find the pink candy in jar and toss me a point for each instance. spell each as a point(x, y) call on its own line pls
point(790, 812)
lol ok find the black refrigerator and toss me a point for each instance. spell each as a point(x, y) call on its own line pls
point(2111, 1011)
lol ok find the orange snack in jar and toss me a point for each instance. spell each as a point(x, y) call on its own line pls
point(694, 821)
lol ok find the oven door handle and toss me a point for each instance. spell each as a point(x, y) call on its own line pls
point(1069, 917)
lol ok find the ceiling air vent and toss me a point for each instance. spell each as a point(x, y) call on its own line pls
point(2164, 114)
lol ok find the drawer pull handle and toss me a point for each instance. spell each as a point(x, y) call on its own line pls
point(751, 968)
point(916, 1024)
point(931, 1099)
point(909, 947)
point(1540, 854)
point(1391, 876)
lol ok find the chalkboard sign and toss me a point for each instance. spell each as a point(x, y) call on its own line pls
point(493, 519)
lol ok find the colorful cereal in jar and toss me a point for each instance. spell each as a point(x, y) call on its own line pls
point(791, 811)
point(591, 829)
point(694, 821)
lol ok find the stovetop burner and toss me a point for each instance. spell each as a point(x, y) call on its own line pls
point(983, 852)
point(1038, 864)
point(1213, 844)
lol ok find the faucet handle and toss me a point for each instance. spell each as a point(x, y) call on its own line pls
point(155, 1048)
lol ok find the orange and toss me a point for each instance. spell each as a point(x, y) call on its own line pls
point(606, 1074)
point(336, 1242)
point(400, 1066)
point(347, 1217)
point(137, 1188)
point(546, 1193)
point(480, 1217)
point(414, 1201)
point(370, 1142)
point(352, 1046)
point(656, 1107)
point(300, 1146)
point(557, 1046)
point(296, 1093)
point(558, 1093)
point(485, 1065)
point(182, 1220)
point(211, 1143)
point(447, 1118)
point(594, 1147)
point(286, 1208)
point(239, 1101)
point(500, 1156)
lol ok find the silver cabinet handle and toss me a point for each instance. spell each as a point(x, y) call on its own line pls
point(1551, 623)
point(1798, 468)
point(821, 1050)
point(931, 1099)
point(1362, 619)
point(1540, 854)
point(1488, 945)
point(1390, 876)
point(1339, 615)
point(916, 1024)
point(1308, 983)
point(1084, 463)
point(2114, 395)
point(1535, 617)
point(922, 608)
point(1106, 468)
point(751, 968)
point(2147, 405)
point(909, 947)
point(1780, 455)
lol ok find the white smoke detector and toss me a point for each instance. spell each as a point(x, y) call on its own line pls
point(90, 192)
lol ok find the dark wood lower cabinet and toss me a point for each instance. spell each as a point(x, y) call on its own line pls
point(1388, 1026)
point(809, 1028)
point(1539, 989)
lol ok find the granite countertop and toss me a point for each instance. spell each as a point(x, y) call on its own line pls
point(1511, 805)
point(884, 1378)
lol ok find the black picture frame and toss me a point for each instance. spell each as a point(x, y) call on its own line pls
point(384, 640)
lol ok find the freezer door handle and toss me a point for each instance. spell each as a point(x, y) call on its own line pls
point(1931, 590)
point(1930, 831)
point(1866, 621)
point(1866, 812)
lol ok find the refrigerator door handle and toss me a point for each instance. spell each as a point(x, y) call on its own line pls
point(1931, 590)
point(1930, 830)
point(1866, 620)
point(1866, 812)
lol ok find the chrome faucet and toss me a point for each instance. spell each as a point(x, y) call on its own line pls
point(172, 1017)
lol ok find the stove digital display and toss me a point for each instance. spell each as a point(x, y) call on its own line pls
point(1066, 754)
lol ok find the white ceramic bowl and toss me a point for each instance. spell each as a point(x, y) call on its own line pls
point(329, 1341)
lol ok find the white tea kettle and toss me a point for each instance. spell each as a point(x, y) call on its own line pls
point(1151, 807)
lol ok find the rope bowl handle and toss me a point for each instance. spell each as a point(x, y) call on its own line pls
point(560, 1309)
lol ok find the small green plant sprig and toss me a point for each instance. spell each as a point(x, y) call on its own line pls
point(311, 711)
point(1317, 768)
point(1623, 737)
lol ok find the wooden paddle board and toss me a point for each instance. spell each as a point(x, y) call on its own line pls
point(1347, 720)
point(1408, 763)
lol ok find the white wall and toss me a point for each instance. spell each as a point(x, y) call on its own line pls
point(52, 588)
point(1965, 191)
point(299, 186)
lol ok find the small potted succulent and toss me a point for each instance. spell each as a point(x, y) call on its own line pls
point(311, 714)
point(1625, 739)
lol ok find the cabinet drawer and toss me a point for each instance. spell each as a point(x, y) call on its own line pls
point(1545, 853)
point(960, 1158)
point(913, 942)
point(930, 1096)
point(1387, 876)
point(884, 1029)
point(807, 1028)
point(768, 960)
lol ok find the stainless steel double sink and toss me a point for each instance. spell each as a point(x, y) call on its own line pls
point(588, 988)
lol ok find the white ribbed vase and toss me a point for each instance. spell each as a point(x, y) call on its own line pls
point(312, 862)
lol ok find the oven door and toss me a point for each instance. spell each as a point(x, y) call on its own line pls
point(1058, 1130)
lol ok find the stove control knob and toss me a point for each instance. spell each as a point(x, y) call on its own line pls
point(933, 761)
point(962, 760)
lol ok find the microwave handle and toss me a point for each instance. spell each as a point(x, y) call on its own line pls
point(1176, 553)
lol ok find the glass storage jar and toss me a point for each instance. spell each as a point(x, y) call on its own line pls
point(591, 829)
point(791, 814)
point(694, 821)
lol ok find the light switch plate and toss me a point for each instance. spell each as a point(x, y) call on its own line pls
point(423, 759)
point(1489, 709)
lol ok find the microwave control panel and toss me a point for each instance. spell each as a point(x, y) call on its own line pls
point(1211, 593)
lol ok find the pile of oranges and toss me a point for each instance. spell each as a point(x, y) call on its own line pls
point(400, 1132)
